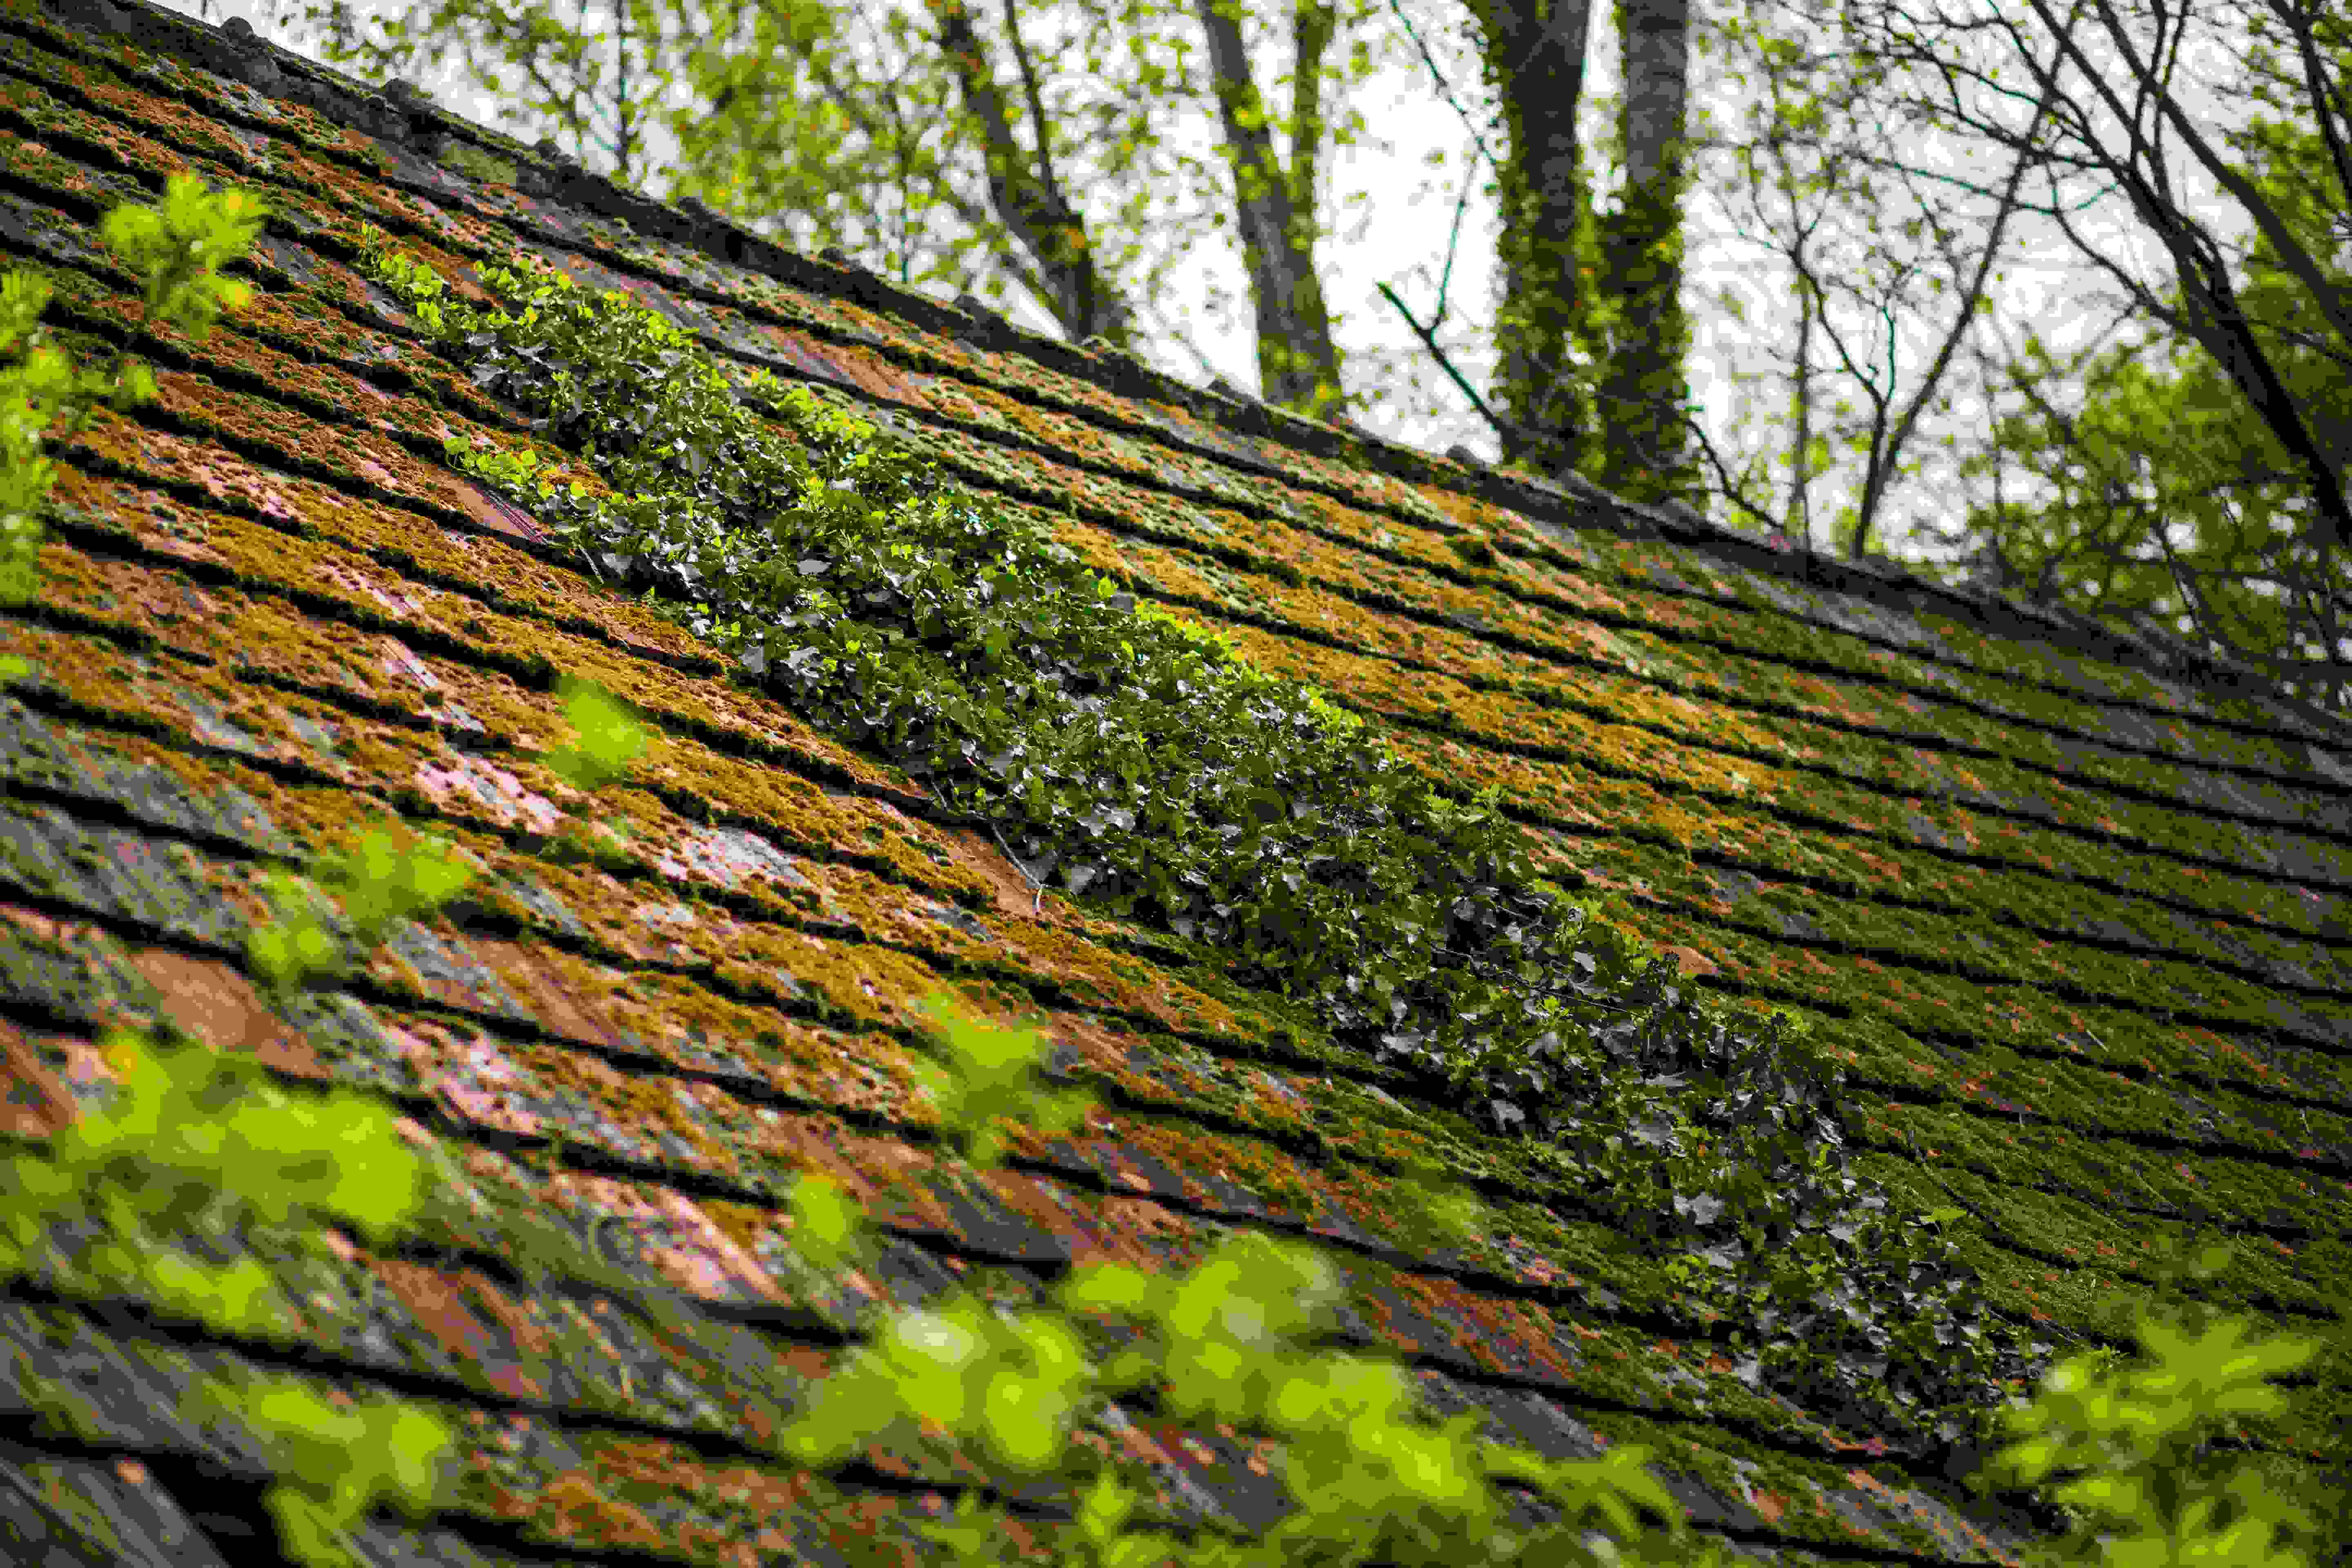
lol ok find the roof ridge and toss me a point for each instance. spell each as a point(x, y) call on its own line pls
point(401, 113)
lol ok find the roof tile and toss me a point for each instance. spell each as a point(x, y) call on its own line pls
point(2067, 908)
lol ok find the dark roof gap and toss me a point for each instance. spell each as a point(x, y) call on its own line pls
point(1703, 909)
point(88, 910)
point(32, 693)
point(1797, 815)
point(106, 544)
point(641, 211)
point(1960, 969)
point(2259, 1091)
point(2024, 1247)
point(1535, 819)
point(1856, 893)
point(1892, 960)
point(1771, 990)
point(475, 917)
point(93, 806)
point(2329, 732)
point(135, 1320)
point(1901, 1094)
point(1729, 698)
point(2113, 1203)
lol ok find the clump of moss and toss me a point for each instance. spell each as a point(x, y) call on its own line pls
point(1141, 764)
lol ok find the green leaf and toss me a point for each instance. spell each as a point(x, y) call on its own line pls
point(609, 739)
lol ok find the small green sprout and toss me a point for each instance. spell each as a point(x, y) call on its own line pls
point(609, 738)
point(982, 1077)
point(192, 1134)
point(826, 1227)
point(179, 249)
point(2124, 1439)
point(391, 874)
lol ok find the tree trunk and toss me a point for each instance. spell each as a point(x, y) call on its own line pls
point(1029, 201)
point(1642, 438)
point(1298, 361)
point(1533, 57)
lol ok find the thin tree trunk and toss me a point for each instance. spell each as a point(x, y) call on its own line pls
point(1298, 361)
point(1534, 57)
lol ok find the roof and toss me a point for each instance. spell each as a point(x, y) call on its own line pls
point(2067, 906)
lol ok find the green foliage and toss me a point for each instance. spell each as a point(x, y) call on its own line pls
point(2126, 1439)
point(391, 874)
point(608, 739)
point(189, 1133)
point(31, 390)
point(985, 1077)
point(1229, 1344)
point(178, 248)
point(1554, 320)
point(198, 1141)
point(1592, 336)
point(194, 1140)
point(1144, 765)
point(2164, 493)
point(1644, 393)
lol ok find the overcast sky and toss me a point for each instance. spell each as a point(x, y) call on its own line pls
point(1400, 236)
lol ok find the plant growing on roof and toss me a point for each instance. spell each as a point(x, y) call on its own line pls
point(1229, 1344)
point(1138, 761)
point(198, 1138)
point(177, 249)
point(2127, 1442)
point(196, 1141)
point(193, 1140)
point(2126, 1450)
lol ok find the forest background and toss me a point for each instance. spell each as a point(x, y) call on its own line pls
point(2049, 296)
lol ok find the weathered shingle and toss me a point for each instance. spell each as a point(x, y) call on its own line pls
point(2069, 908)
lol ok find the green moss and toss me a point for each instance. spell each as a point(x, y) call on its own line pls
point(1142, 763)
point(476, 164)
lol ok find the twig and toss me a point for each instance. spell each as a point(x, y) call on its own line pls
point(1035, 880)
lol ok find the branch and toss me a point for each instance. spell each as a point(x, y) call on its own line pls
point(1428, 335)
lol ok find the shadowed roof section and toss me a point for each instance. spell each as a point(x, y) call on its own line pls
point(2069, 906)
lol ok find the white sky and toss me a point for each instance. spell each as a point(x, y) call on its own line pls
point(2042, 280)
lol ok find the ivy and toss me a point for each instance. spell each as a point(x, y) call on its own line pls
point(1126, 756)
point(193, 1140)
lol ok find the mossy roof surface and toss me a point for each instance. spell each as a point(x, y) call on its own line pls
point(2070, 912)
